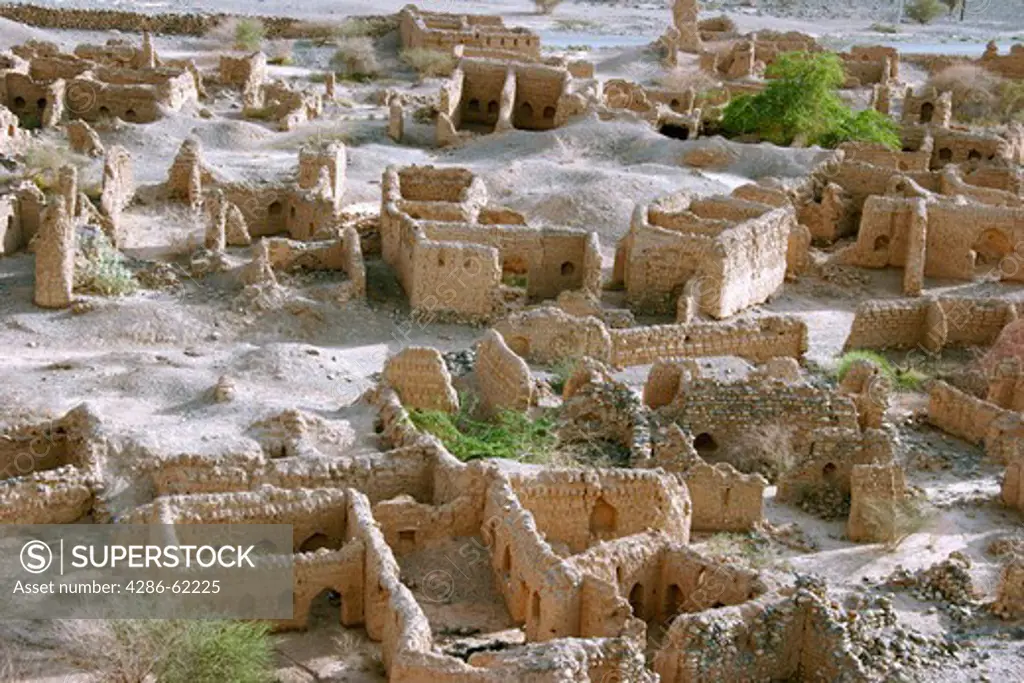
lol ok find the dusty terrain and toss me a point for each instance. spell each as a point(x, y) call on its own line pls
point(147, 362)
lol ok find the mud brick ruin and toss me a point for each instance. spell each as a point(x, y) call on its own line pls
point(718, 403)
point(42, 85)
point(722, 253)
point(454, 253)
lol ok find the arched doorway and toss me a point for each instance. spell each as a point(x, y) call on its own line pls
point(990, 247)
point(636, 601)
point(927, 111)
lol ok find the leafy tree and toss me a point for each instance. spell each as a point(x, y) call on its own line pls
point(801, 101)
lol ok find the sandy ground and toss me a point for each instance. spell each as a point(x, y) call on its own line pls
point(147, 363)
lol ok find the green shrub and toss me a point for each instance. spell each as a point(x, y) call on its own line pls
point(909, 379)
point(216, 651)
point(801, 101)
point(168, 651)
point(100, 269)
point(509, 434)
point(355, 59)
point(429, 62)
point(925, 11)
point(562, 370)
point(249, 34)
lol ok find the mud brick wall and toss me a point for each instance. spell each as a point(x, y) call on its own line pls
point(771, 638)
point(392, 615)
point(61, 496)
point(440, 31)
point(580, 508)
point(975, 420)
point(538, 587)
point(930, 323)
point(422, 380)
point(722, 412)
point(758, 341)
point(554, 259)
point(160, 23)
point(835, 452)
point(504, 378)
point(311, 512)
point(724, 499)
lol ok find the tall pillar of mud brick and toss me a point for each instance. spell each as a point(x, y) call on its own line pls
point(331, 84)
point(216, 227)
point(396, 118)
point(146, 56)
point(917, 238)
point(684, 15)
point(55, 257)
point(331, 157)
point(876, 492)
point(67, 186)
point(185, 179)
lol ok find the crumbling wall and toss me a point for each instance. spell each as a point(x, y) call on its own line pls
point(929, 323)
point(504, 378)
point(730, 252)
point(723, 498)
point(876, 492)
point(975, 420)
point(579, 508)
point(422, 380)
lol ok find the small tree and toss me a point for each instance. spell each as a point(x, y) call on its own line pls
point(249, 34)
point(925, 11)
point(801, 101)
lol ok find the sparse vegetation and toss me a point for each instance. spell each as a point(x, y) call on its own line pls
point(509, 434)
point(171, 651)
point(679, 79)
point(355, 59)
point(249, 34)
point(925, 11)
point(215, 651)
point(429, 63)
point(979, 96)
point(562, 370)
point(546, 6)
point(100, 268)
point(801, 104)
point(43, 159)
point(281, 53)
point(908, 379)
point(884, 28)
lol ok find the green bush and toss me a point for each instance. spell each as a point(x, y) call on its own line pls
point(509, 434)
point(925, 11)
point(801, 101)
point(216, 651)
point(100, 268)
point(168, 651)
point(909, 379)
point(249, 34)
point(355, 59)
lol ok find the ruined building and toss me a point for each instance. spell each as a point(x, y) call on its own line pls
point(457, 256)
